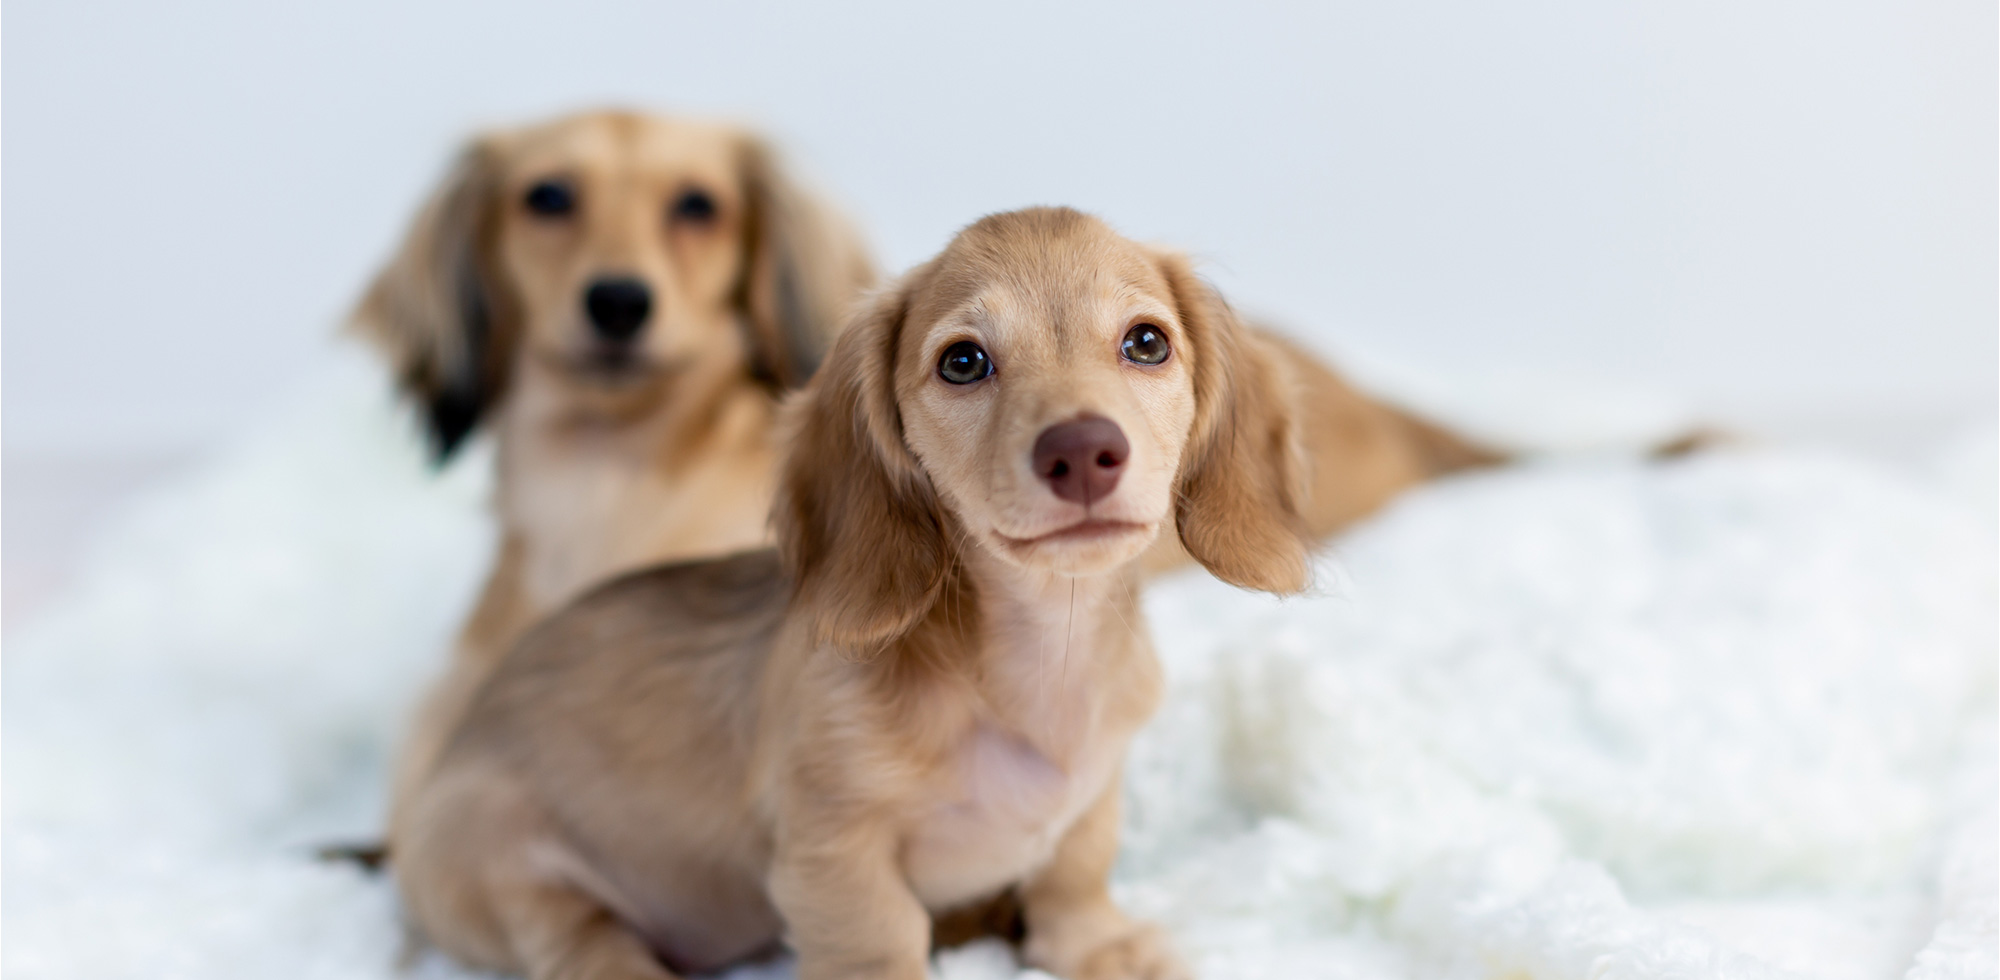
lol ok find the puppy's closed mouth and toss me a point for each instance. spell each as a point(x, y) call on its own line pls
point(1081, 531)
point(611, 367)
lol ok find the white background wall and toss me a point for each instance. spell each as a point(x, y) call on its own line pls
point(1782, 209)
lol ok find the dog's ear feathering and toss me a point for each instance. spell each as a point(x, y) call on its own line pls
point(803, 266)
point(432, 310)
point(863, 533)
point(1238, 499)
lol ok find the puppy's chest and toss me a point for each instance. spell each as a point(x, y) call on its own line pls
point(1007, 807)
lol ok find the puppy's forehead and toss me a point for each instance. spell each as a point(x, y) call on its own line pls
point(1045, 266)
point(626, 142)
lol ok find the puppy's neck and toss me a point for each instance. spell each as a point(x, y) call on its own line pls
point(1042, 599)
point(586, 493)
point(1052, 650)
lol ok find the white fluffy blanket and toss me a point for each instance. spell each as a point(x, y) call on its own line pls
point(1731, 717)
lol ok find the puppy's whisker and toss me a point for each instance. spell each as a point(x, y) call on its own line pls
point(1069, 630)
point(1042, 668)
point(1131, 596)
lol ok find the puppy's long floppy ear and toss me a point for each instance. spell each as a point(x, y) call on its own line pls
point(1242, 482)
point(861, 529)
point(433, 310)
point(804, 268)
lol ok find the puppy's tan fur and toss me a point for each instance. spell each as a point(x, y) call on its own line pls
point(605, 465)
point(924, 696)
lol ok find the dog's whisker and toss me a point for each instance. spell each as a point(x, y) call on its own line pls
point(1131, 596)
point(1069, 630)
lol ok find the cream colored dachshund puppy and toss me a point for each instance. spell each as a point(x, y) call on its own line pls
point(621, 298)
point(924, 696)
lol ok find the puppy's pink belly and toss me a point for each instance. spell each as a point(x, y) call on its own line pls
point(1015, 808)
point(957, 861)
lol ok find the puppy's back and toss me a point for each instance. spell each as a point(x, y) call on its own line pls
point(635, 669)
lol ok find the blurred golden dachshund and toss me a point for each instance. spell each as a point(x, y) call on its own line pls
point(621, 298)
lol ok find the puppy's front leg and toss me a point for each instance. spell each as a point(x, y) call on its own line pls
point(1074, 930)
point(848, 910)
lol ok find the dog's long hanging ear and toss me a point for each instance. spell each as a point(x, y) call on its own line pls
point(861, 529)
point(804, 268)
point(1241, 484)
point(432, 310)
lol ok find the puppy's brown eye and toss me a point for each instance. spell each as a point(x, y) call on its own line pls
point(963, 363)
point(1145, 344)
point(550, 198)
point(694, 207)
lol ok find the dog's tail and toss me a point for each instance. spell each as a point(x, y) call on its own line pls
point(369, 856)
point(1698, 439)
point(1440, 451)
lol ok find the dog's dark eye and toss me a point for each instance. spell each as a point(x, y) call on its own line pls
point(963, 363)
point(694, 206)
point(551, 198)
point(1145, 344)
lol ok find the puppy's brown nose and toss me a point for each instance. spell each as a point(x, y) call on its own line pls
point(1081, 460)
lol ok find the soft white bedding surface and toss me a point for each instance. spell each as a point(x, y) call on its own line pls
point(1585, 717)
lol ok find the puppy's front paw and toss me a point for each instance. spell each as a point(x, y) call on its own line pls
point(1142, 954)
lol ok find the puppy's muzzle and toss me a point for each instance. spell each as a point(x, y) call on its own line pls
point(1081, 460)
point(618, 308)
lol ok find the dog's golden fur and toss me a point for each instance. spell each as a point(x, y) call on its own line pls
point(608, 463)
point(924, 695)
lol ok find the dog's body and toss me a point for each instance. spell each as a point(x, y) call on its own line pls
point(664, 828)
point(925, 696)
point(621, 299)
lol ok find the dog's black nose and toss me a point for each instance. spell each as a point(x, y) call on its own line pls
point(618, 307)
point(1082, 460)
